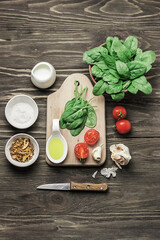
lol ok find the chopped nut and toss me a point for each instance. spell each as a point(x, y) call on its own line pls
point(22, 150)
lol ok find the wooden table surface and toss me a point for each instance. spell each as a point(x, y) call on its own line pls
point(59, 32)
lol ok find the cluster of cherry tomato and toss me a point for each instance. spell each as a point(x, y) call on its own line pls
point(81, 150)
point(123, 126)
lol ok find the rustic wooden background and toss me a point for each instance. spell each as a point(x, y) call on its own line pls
point(59, 31)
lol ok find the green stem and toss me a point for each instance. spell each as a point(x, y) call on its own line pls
point(84, 94)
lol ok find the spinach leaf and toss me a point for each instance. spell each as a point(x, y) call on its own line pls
point(70, 104)
point(136, 68)
point(117, 64)
point(147, 88)
point(123, 53)
point(100, 87)
point(142, 84)
point(147, 57)
point(113, 52)
point(102, 65)
point(126, 84)
point(141, 80)
point(92, 118)
point(94, 55)
point(138, 52)
point(118, 96)
point(114, 88)
point(110, 78)
point(62, 124)
point(78, 114)
point(131, 43)
point(148, 66)
point(114, 73)
point(122, 69)
point(70, 111)
point(96, 71)
point(109, 41)
point(110, 61)
point(77, 130)
point(132, 89)
point(74, 124)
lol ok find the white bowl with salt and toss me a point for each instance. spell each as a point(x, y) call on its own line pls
point(21, 111)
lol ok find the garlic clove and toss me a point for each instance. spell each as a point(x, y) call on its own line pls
point(94, 174)
point(97, 153)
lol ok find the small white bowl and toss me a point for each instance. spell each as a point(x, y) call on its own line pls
point(31, 112)
point(22, 164)
point(43, 75)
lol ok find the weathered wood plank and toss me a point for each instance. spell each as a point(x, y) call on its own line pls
point(59, 32)
point(76, 226)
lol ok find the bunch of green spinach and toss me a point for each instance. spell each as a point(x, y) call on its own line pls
point(78, 112)
point(119, 66)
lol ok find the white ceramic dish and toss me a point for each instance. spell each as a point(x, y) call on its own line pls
point(43, 75)
point(21, 164)
point(56, 134)
point(31, 116)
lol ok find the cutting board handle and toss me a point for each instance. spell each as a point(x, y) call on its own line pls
point(102, 187)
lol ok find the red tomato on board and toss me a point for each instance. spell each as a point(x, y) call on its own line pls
point(91, 136)
point(123, 126)
point(81, 151)
point(119, 112)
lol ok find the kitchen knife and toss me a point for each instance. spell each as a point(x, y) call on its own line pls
point(75, 186)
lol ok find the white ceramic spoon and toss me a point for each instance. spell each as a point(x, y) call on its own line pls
point(56, 134)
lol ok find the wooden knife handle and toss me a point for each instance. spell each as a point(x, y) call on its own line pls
point(89, 187)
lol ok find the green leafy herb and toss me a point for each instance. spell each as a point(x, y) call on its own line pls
point(99, 88)
point(114, 88)
point(126, 84)
point(122, 69)
point(91, 118)
point(131, 43)
point(78, 113)
point(119, 66)
point(132, 89)
point(94, 55)
point(136, 69)
point(118, 96)
point(96, 71)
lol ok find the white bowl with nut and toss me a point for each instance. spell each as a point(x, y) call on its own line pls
point(22, 150)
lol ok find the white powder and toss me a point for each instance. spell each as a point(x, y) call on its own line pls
point(22, 113)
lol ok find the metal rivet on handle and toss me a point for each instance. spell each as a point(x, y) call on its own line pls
point(101, 188)
point(88, 187)
point(74, 187)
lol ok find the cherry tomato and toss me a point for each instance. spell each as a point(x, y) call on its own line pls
point(123, 126)
point(81, 151)
point(119, 112)
point(91, 136)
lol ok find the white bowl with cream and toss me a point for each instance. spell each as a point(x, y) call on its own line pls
point(43, 75)
point(21, 111)
point(15, 162)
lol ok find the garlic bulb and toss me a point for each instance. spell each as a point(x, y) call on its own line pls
point(120, 154)
point(97, 153)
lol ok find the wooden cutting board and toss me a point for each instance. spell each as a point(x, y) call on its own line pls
point(55, 107)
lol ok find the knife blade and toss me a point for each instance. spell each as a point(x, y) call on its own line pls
point(102, 187)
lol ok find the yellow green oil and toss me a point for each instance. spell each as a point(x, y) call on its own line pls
point(56, 148)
